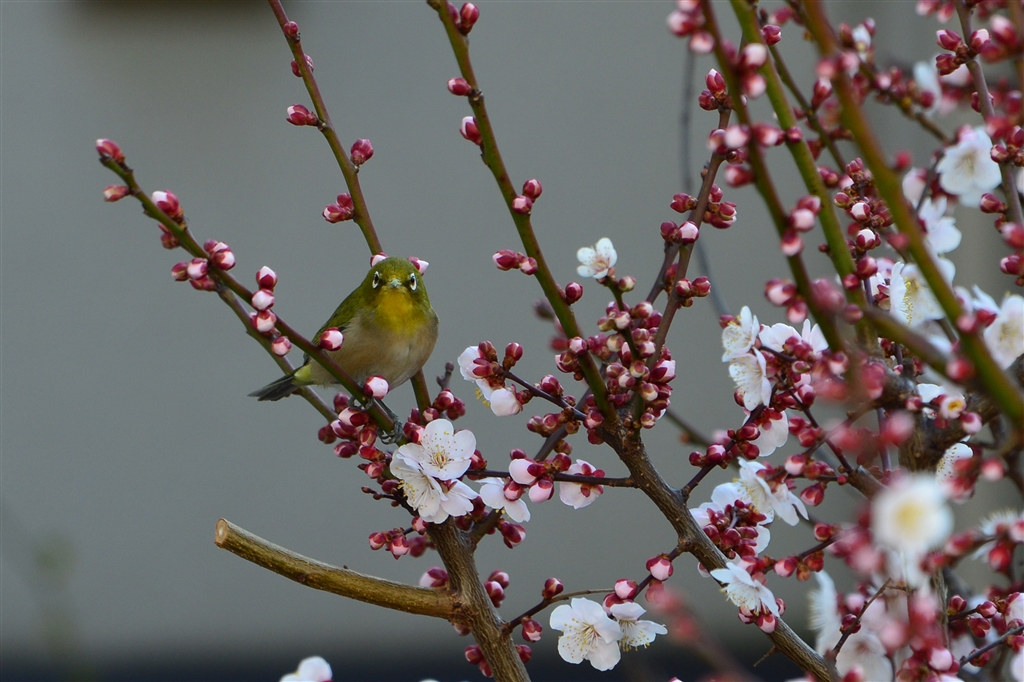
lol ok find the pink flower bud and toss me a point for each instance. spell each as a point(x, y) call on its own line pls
point(715, 83)
point(531, 630)
point(512, 533)
point(281, 346)
point(626, 589)
point(1013, 235)
point(528, 265)
point(948, 40)
point(506, 259)
point(378, 540)
point(295, 66)
point(108, 149)
point(1003, 30)
point(532, 189)
point(361, 151)
point(264, 321)
point(223, 259)
point(266, 278)
point(344, 209)
point(772, 34)
point(812, 495)
point(291, 29)
point(376, 387)
point(197, 268)
point(331, 339)
point(180, 271)
point(470, 131)
point(468, 16)
point(168, 203)
point(786, 567)
point(552, 588)
point(753, 56)
point(522, 204)
point(115, 193)
point(959, 369)
point(263, 299)
point(792, 243)
point(688, 232)
point(573, 292)
point(978, 39)
point(802, 219)
point(420, 264)
point(299, 115)
point(459, 87)
point(660, 567)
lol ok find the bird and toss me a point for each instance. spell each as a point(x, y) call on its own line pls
point(389, 330)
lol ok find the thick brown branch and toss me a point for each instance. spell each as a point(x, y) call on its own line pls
point(340, 581)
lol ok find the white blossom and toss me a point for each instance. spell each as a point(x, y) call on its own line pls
point(1005, 336)
point(774, 434)
point(744, 591)
point(910, 518)
point(770, 499)
point(588, 634)
point(910, 299)
point(492, 492)
point(312, 669)
point(941, 233)
point(967, 169)
point(635, 632)
point(596, 261)
point(579, 495)
point(432, 499)
point(862, 649)
point(739, 335)
point(945, 472)
point(442, 452)
point(750, 373)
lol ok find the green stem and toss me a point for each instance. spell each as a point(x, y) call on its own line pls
point(361, 214)
point(494, 162)
point(765, 186)
point(838, 250)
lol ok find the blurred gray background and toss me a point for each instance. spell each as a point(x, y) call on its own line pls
point(126, 430)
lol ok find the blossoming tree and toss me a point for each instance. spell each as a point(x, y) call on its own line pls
point(926, 374)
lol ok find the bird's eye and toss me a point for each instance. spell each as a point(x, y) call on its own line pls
point(412, 282)
point(376, 280)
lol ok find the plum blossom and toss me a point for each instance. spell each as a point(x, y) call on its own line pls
point(910, 299)
point(496, 395)
point(442, 452)
point(720, 499)
point(429, 469)
point(945, 472)
point(588, 634)
point(750, 373)
point(635, 632)
point(579, 495)
point(743, 591)
point(863, 649)
point(967, 169)
point(313, 669)
point(739, 335)
point(494, 495)
point(1005, 336)
point(433, 500)
point(776, 336)
point(769, 498)
point(910, 518)
point(596, 261)
point(940, 229)
point(774, 434)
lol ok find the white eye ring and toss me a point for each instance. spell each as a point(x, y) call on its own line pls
point(412, 282)
point(376, 280)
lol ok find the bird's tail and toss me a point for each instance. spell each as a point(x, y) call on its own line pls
point(282, 388)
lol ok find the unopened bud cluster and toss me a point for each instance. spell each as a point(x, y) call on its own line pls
point(719, 213)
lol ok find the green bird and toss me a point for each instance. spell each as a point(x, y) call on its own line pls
point(389, 331)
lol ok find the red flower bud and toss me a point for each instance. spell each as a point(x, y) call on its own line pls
point(771, 33)
point(468, 16)
point(361, 152)
point(108, 149)
point(115, 193)
point(459, 87)
point(532, 189)
point(470, 131)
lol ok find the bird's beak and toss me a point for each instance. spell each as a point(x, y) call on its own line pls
point(394, 284)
